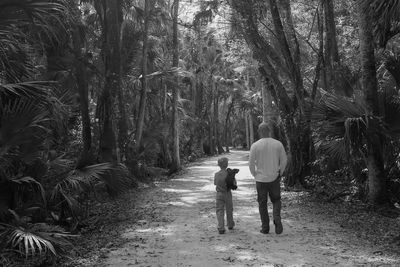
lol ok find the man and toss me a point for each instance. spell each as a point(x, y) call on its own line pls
point(267, 162)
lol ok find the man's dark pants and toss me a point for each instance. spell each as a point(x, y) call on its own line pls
point(272, 189)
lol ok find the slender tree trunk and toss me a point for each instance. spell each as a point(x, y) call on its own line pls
point(163, 99)
point(331, 55)
point(122, 124)
point(376, 180)
point(246, 122)
point(82, 82)
point(200, 131)
point(228, 113)
point(176, 163)
point(265, 102)
point(211, 111)
point(112, 85)
point(331, 31)
point(164, 140)
point(251, 129)
point(193, 87)
point(143, 92)
point(220, 149)
point(328, 46)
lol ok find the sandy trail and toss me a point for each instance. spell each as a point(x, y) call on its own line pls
point(178, 228)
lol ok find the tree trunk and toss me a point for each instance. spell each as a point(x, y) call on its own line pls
point(199, 130)
point(112, 85)
point(176, 163)
point(331, 55)
point(163, 99)
point(376, 180)
point(267, 105)
point(82, 82)
point(211, 126)
point(220, 149)
point(246, 122)
point(143, 92)
point(331, 31)
point(329, 82)
point(228, 113)
point(292, 58)
point(251, 130)
point(122, 124)
point(265, 102)
point(276, 63)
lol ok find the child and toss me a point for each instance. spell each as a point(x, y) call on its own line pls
point(223, 198)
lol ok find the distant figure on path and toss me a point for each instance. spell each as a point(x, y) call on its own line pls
point(267, 162)
point(223, 198)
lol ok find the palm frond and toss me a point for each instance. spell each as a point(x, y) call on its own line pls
point(23, 25)
point(84, 178)
point(26, 180)
point(36, 89)
point(93, 171)
point(41, 13)
point(23, 123)
point(62, 199)
point(118, 179)
point(34, 239)
point(335, 148)
point(385, 18)
point(340, 125)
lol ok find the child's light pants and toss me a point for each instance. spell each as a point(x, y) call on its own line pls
point(224, 201)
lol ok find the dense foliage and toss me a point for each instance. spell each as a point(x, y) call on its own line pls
point(99, 94)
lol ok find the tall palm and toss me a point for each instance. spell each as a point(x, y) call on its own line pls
point(176, 164)
point(376, 177)
point(144, 83)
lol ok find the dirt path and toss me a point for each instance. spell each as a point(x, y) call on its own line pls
point(178, 228)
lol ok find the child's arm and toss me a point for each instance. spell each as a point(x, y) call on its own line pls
point(215, 179)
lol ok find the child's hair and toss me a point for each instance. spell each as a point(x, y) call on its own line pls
point(223, 162)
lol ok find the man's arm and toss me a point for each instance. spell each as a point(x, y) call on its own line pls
point(215, 179)
point(252, 161)
point(282, 159)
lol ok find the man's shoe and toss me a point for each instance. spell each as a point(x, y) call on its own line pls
point(264, 231)
point(221, 232)
point(230, 228)
point(278, 227)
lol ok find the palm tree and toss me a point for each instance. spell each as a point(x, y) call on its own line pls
point(176, 164)
point(111, 25)
point(143, 92)
point(377, 181)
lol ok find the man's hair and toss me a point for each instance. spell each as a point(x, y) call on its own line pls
point(263, 129)
point(223, 162)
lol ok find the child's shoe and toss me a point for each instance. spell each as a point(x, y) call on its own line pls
point(221, 232)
